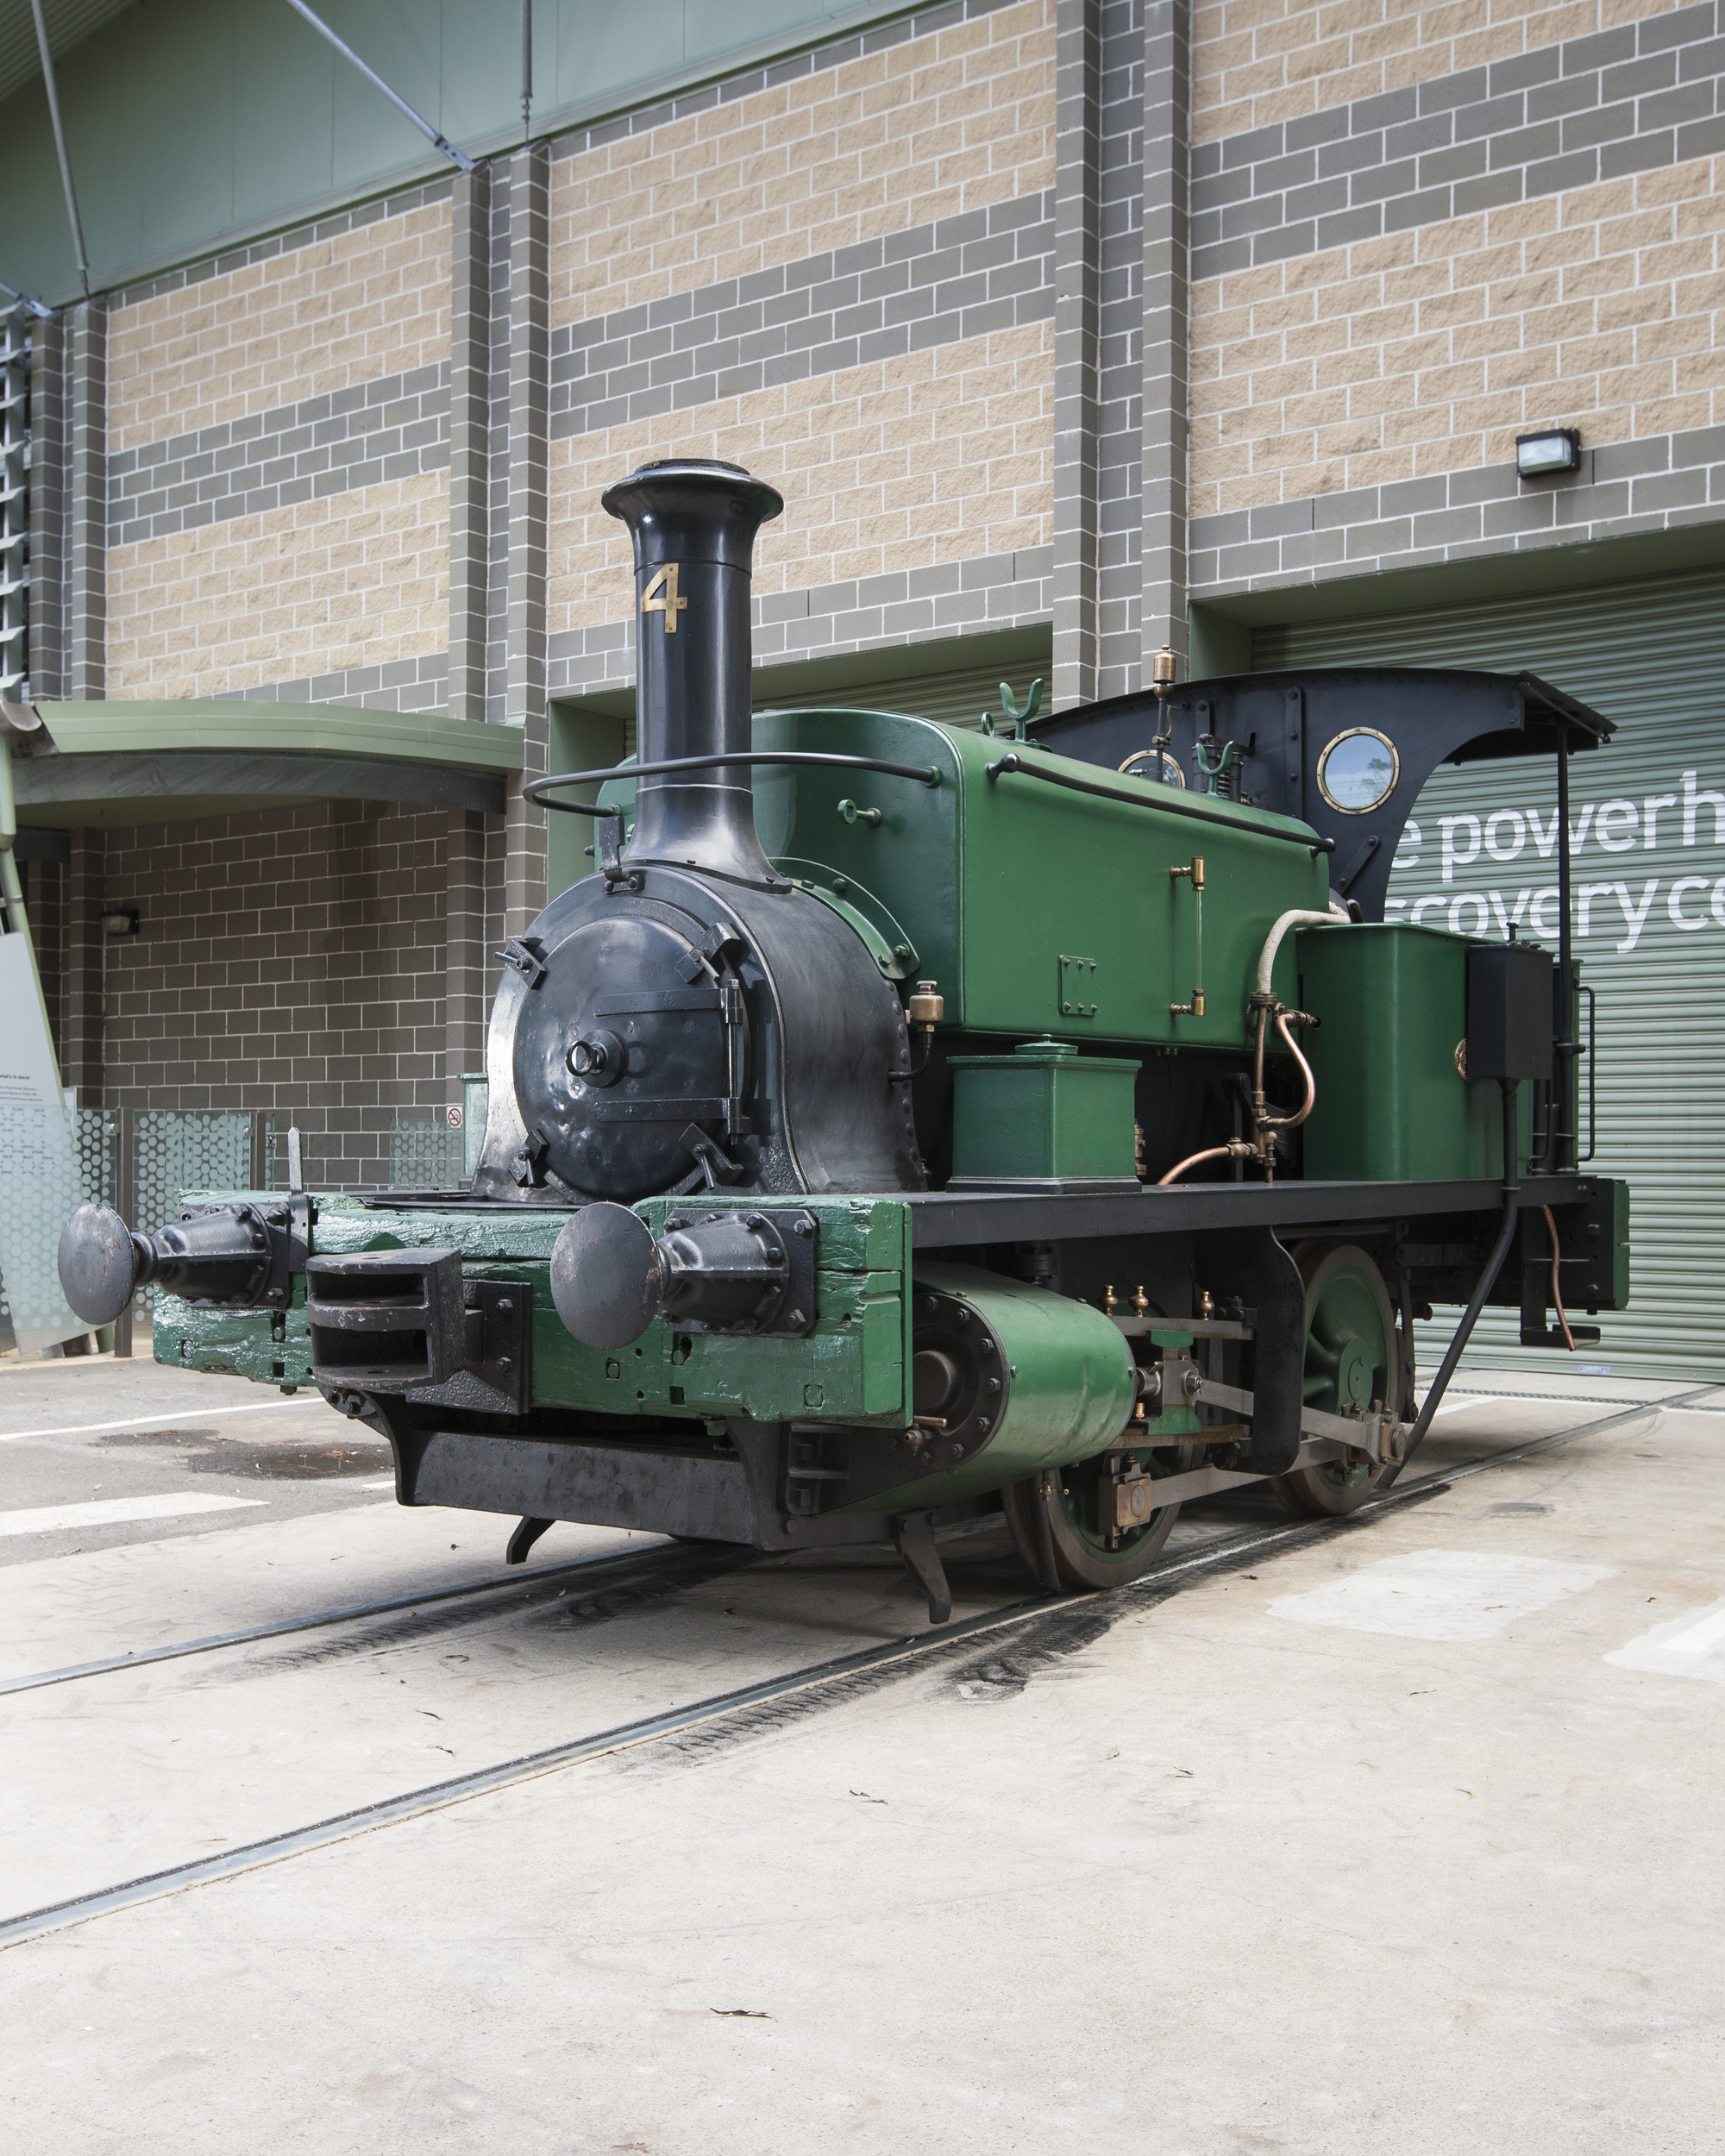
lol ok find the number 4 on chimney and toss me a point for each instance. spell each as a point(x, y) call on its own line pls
point(664, 583)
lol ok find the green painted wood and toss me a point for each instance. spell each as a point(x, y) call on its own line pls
point(853, 1367)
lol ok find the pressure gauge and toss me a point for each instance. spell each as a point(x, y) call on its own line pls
point(1153, 763)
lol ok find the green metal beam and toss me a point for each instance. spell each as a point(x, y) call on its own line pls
point(140, 725)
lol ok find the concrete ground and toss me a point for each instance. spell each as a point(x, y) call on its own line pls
point(1405, 1838)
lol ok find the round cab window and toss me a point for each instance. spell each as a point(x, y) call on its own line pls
point(1358, 772)
point(1153, 763)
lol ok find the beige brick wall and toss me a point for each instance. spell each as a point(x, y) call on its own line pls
point(321, 317)
point(1258, 61)
point(903, 465)
point(939, 124)
point(1428, 351)
point(358, 580)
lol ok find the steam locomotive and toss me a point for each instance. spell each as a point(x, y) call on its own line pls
point(905, 1124)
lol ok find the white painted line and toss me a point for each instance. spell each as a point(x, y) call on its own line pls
point(1687, 1646)
point(1699, 1637)
point(1439, 1595)
point(107, 1512)
point(171, 1420)
point(387, 1483)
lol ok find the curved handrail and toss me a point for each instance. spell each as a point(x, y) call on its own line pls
point(1179, 805)
point(538, 789)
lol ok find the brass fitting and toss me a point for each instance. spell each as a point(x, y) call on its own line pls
point(927, 1005)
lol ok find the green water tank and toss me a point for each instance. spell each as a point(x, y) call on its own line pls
point(1044, 1113)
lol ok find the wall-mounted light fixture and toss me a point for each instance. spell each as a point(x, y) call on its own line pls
point(1554, 449)
point(119, 920)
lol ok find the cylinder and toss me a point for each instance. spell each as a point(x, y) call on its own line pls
point(693, 524)
point(1009, 1378)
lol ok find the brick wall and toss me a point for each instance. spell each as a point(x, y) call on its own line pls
point(1433, 234)
point(291, 961)
point(365, 301)
point(896, 467)
point(843, 281)
point(1258, 62)
point(922, 128)
point(360, 578)
point(277, 458)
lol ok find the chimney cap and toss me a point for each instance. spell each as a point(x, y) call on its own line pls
point(685, 492)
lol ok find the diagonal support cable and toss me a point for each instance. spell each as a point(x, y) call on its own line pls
point(53, 88)
point(455, 156)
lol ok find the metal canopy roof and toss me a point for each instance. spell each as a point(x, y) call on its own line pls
point(69, 21)
point(127, 762)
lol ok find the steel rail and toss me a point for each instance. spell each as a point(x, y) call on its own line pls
point(600, 1571)
point(1167, 1579)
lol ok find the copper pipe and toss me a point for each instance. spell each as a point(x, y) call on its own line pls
point(1557, 1297)
point(1293, 1122)
point(1236, 1149)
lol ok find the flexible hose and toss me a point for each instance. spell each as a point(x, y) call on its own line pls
point(1557, 1296)
point(1272, 942)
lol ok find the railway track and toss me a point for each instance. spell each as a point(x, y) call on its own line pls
point(628, 1568)
point(663, 1566)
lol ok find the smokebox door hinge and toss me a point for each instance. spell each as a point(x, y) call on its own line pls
point(523, 955)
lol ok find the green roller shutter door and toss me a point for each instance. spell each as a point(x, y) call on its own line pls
point(956, 699)
point(1647, 823)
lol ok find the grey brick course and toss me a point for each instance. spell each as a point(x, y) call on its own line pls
point(905, 607)
point(1648, 485)
point(405, 684)
point(1630, 100)
point(958, 277)
point(394, 428)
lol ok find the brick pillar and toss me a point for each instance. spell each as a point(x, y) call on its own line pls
point(470, 392)
point(465, 978)
point(1077, 71)
point(80, 1016)
point(530, 347)
point(1167, 340)
point(469, 433)
point(86, 503)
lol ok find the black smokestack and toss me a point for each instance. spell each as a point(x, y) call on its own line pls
point(694, 524)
